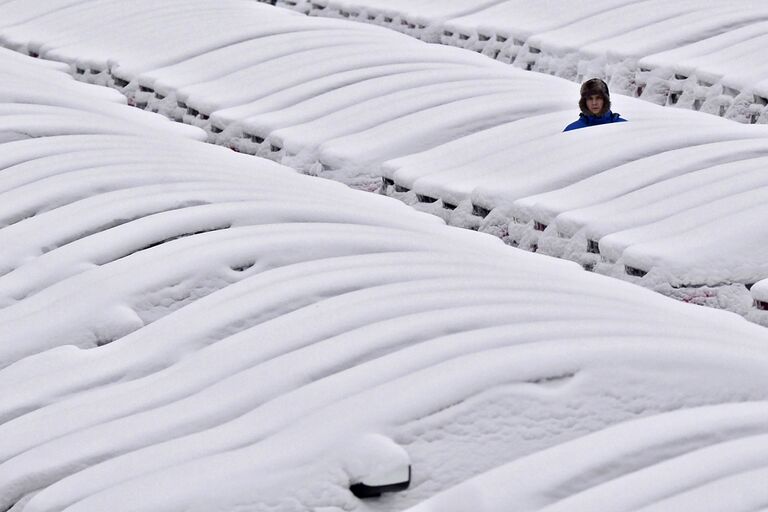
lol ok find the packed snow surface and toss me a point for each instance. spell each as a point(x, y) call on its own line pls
point(187, 328)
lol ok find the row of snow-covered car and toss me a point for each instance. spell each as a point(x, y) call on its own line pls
point(694, 55)
point(676, 206)
point(183, 327)
point(468, 138)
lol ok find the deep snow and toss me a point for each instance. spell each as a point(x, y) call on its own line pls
point(461, 136)
point(185, 327)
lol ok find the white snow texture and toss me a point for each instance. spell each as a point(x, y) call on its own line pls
point(462, 136)
point(185, 327)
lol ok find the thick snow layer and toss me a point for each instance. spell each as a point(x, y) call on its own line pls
point(657, 460)
point(35, 89)
point(183, 327)
point(702, 163)
point(702, 56)
point(760, 291)
point(679, 173)
point(207, 80)
point(759, 312)
point(458, 135)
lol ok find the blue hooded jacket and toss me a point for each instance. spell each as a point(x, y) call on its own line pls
point(585, 121)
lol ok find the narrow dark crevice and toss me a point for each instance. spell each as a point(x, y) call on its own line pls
point(183, 235)
point(553, 380)
point(634, 271)
point(425, 199)
point(116, 223)
point(243, 267)
point(171, 239)
point(480, 211)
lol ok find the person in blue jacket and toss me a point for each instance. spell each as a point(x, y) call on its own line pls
point(595, 105)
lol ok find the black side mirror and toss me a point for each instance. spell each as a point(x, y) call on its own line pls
point(374, 485)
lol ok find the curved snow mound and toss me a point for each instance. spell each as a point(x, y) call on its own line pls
point(687, 54)
point(39, 98)
point(186, 328)
point(675, 209)
point(669, 200)
point(321, 95)
point(696, 459)
point(760, 302)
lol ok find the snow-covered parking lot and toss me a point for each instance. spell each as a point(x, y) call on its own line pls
point(672, 200)
point(183, 327)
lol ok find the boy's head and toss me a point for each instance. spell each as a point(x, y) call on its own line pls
point(595, 98)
